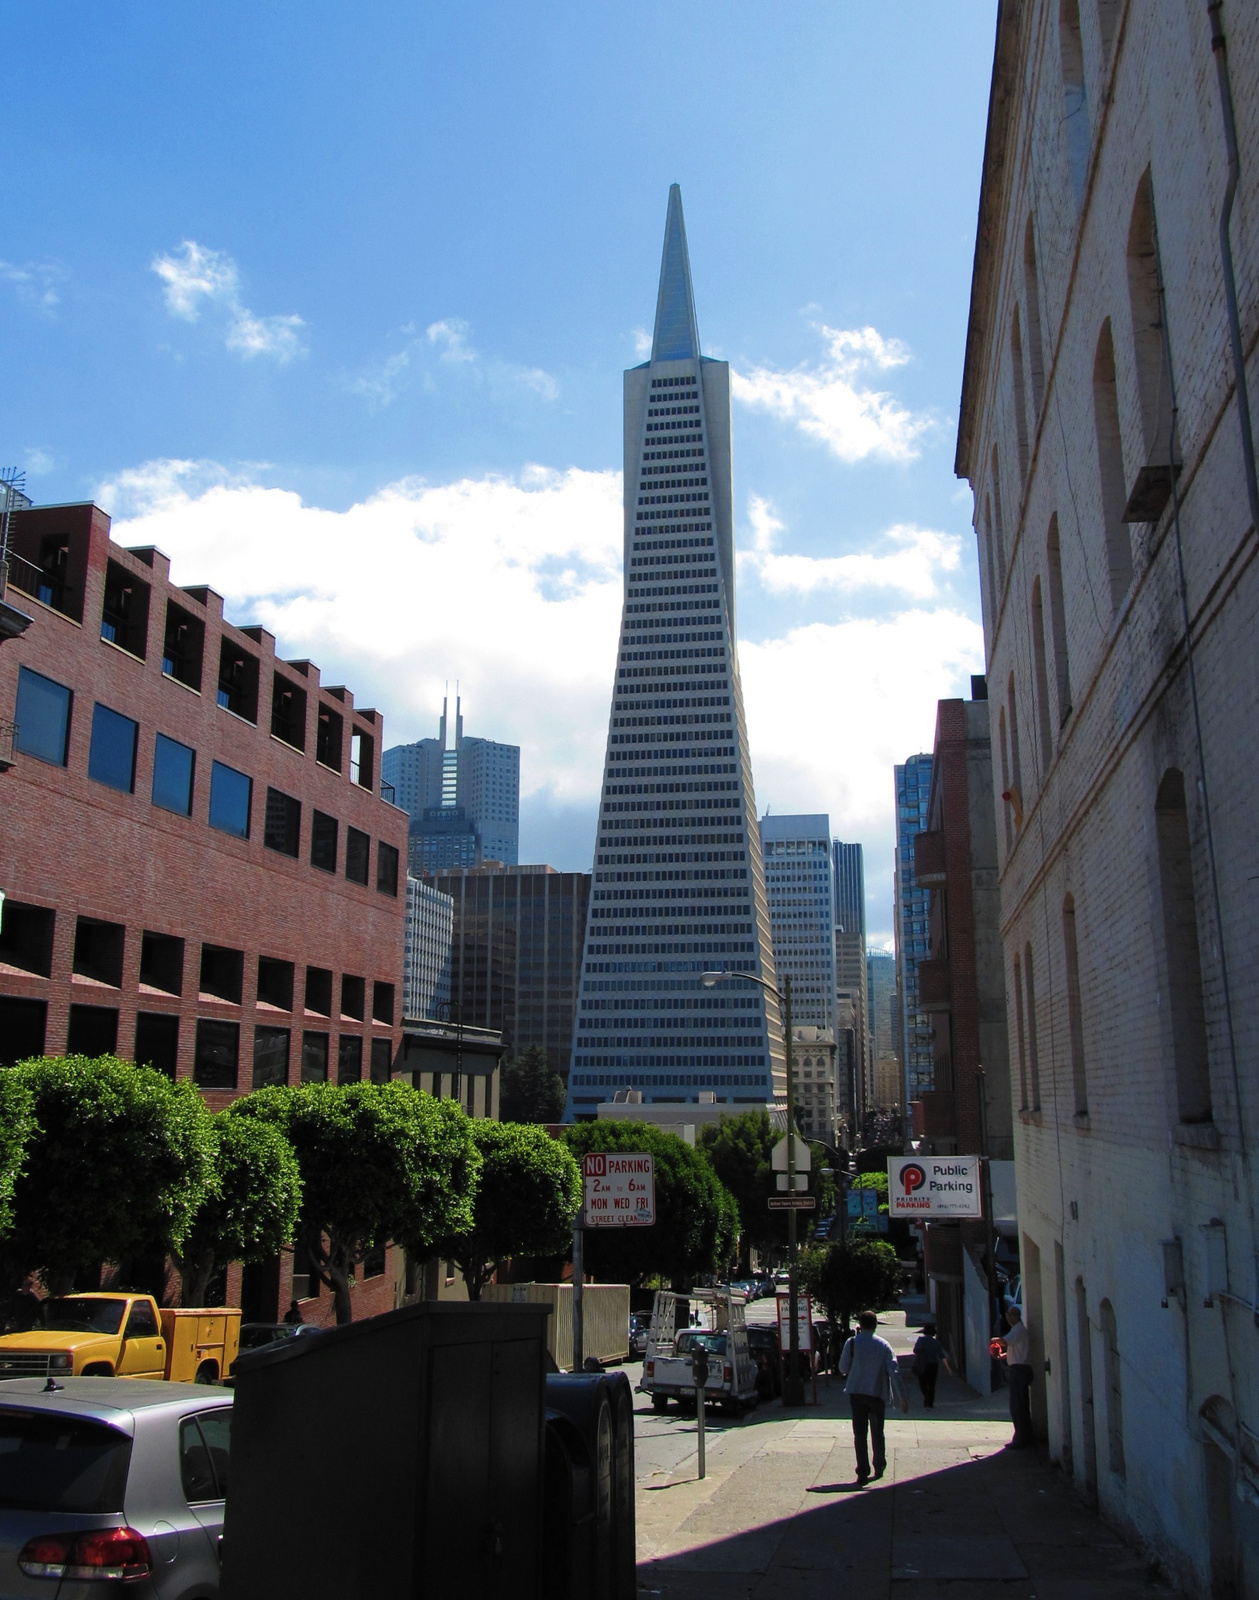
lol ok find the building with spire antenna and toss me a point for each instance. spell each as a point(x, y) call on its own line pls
point(679, 886)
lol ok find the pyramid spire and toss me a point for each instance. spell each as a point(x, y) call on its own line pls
point(677, 337)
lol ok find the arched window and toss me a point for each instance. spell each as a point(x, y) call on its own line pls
point(1020, 1036)
point(1042, 681)
point(998, 517)
point(1154, 391)
point(1075, 111)
point(1075, 1015)
point(1033, 1049)
point(1007, 805)
point(1058, 621)
point(1107, 21)
point(1110, 467)
point(1182, 954)
point(1020, 392)
point(1016, 765)
point(1035, 342)
point(994, 594)
point(1114, 1388)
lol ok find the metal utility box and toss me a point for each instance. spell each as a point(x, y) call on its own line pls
point(394, 1459)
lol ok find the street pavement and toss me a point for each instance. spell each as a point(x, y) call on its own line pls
point(779, 1515)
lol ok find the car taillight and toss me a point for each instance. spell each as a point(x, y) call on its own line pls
point(727, 1374)
point(104, 1554)
point(651, 1369)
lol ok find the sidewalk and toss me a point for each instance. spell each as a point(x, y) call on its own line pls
point(780, 1516)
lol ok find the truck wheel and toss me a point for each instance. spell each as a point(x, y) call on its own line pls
point(98, 1369)
point(207, 1372)
point(659, 1403)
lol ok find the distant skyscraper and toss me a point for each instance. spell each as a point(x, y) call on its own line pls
point(797, 853)
point(463, 797)
point(913, 790)
point(678, 881)
point(881, 967)
point(849, 874)
point(850, 887)
point(426, 967)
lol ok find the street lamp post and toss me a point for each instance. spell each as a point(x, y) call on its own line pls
point(793, 1380)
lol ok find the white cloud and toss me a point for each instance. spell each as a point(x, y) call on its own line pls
point(831, 402)
point(195, 277)
point(448, 339)
point(34, 283)
point(39, 462)
point(642, 343)
point(451, 338)
point(911, 564)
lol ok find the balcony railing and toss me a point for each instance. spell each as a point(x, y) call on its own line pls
point(44, 586)
point(8, 744)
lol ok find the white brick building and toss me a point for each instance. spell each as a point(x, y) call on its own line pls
point(1129, 851)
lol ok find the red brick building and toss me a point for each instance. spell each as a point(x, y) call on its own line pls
point(198, 865)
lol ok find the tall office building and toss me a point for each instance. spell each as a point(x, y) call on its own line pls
point(462, 794)
point(426, 965)
point(913, 791)
point(678, 881)
point(517, 945)
point(796, 852)
point(881, 984)
point(849, 875)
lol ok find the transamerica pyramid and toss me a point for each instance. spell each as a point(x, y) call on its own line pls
point(678, 883)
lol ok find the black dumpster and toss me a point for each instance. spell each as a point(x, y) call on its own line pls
point(590, 1547)
point(395, 1459)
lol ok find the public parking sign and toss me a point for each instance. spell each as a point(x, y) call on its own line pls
point(934, 1186)
point(620, 1189)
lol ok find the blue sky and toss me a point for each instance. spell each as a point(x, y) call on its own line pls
point(332, 303)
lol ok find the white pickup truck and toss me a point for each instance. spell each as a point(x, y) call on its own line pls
point(668, 1373)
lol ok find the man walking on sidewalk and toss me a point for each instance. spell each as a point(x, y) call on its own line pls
point(1016, 1352)
point(869, 1365)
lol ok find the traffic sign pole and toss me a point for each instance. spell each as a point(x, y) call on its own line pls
point(579, 1275)
point(793, 1383)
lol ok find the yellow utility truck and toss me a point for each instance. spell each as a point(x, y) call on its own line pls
point(123, 1336)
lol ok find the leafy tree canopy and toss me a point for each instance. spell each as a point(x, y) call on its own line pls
point(740, 1148)
point(530, 1089)
point(251, 1205)
point(697, 1218)
point(118, 1163)
point(528, 1195)
point(871, 1180)
point(17, 1124)
point(858, 1275)
point(378, 1162)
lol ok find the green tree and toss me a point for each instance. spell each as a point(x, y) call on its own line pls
point(697, 1219)
point(17, 1125)
point(250, 1207)
point(117, 1165)
point(528, 1194)
point(740, 1148)
point(378, 1162)
point(530, 1089)
point(858, 1275)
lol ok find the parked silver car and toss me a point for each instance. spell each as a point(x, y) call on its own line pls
point(117, 1479)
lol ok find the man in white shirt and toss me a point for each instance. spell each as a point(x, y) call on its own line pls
point(1016, 1353)
point(869, 1365)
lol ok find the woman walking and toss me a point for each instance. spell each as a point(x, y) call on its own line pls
point(929, 1355)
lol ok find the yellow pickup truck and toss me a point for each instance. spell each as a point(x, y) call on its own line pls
point(123, 1336)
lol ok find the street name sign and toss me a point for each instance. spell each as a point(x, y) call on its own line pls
point(619, 1188)
point(934, 1186)
point(792, 1202)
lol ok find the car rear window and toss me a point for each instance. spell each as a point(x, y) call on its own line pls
point(714, 1343)
point(58, 1463)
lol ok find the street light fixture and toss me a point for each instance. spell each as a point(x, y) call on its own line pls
point(793, 1380)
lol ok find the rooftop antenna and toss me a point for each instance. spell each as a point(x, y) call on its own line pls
point(12, 486)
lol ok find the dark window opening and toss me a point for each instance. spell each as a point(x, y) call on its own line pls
point(1075, 113)
point(238, 681)
point(42, 715)
point(1058, 622)
point(222, 973)
point(288, 712)
point(382, 1060)
point(183, 646)
point(1182, 952)
point(1075, 1013)
point(314, 1058)
point(217, 1057)
point(174, 765)
point(349, 1058)
point(26, 934)
point(162, 962)
point(357, 851)
point(125, 616)
point(305, 1278)
point(1110, 467)
point(323, 842)
point(98, 950)
point(93, 1031)
point(353, 997)
point(112, 757)
point(23, 1029)
point(362, 747)
point(46, 577)
point(328, 738)
point(382, 1002)
point(386, 868)
point(157, 1042)
point(271, 1056)
point(282, 825)
point(231, 797)
point(319, 991)
point(374, 1263)
point(275, 983)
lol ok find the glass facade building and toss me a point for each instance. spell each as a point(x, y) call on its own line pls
point(913, 791)
point(796, 853)
point(678, 881)
point(426, 968)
